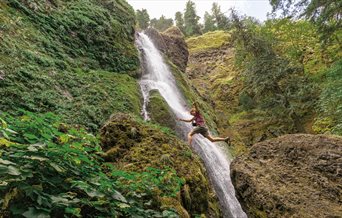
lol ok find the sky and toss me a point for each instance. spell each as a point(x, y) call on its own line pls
point(168, 8)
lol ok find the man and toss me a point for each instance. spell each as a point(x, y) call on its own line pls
point(200, 128)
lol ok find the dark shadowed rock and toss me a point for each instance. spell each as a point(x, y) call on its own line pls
point(157, 39)
point(171, 42)
point(296, 175)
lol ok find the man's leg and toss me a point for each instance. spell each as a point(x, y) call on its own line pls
point(217, 139)
point(190, 137)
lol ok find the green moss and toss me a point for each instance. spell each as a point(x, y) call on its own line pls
point(136, 146)
point(236, 117)
point(210, 40)
point(159, 111)
point(68, 57)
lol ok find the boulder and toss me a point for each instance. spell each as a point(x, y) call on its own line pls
point(134, 145)
point(160, 112)
point(297, 175)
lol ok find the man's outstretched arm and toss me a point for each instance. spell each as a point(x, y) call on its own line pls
point(184, 120)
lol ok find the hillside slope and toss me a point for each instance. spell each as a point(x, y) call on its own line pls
point(72, 58)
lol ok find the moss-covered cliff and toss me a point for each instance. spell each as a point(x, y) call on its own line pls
point(68, 57)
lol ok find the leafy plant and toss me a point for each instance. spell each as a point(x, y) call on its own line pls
point(330, 102)
point(48, 169)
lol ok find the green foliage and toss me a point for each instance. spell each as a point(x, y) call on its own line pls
point(272, 81)
point(298, 41)
point(221, 21)
point(330, 102)
point(179, 19)
point(325, 14)
point(50, 170)
point(62, 56)
point(162, 23)
point(143, 19)
point(191, 19)
point(209, 24)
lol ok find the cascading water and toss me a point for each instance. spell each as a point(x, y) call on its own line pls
point(157, 76)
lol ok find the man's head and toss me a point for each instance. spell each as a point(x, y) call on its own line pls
point(193, 111)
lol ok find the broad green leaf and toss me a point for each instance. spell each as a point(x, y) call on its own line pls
point(74, 211)
point(6, 162)
point(5, 142)
point(13, 171)
point(36, 158)
point(3, 124)
point(118, 196)
point(123, 205)
point(30, 136)
point(57, 168)
point(35, 213)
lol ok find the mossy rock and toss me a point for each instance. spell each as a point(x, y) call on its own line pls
point(135, 145)
point(159, 111)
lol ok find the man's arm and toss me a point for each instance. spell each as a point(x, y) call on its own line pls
point(184, 120)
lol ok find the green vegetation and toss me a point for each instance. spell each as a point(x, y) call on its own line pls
point(210, 40)
point(136, 146)
point(61, 57)
point(159, 111)
point(325, 14)
point(329, 118)
point(50, 169)
point(191, 25)
point(162, 23)
point(179, 21)
point(143, 18)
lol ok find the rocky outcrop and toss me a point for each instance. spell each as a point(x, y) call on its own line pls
point(171, 42)
point(159, 111)
point(291, 176)
point(135, 146)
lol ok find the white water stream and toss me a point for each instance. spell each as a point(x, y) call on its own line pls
point(157, 76)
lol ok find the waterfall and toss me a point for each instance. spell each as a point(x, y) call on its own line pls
point(157, 76)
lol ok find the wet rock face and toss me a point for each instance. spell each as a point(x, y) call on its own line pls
point(134, 146)
point(296, 175)
point(171, 42)
point(160, 112)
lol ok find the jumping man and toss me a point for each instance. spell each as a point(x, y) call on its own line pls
point(199, 123)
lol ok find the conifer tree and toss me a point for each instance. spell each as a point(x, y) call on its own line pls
point(179, 20)
point(191, 20)
point(209, 23)
point(143, 18)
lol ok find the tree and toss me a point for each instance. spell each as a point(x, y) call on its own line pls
point(143, 19)
point(179, 20)
point(325, 14)
point(271, 80)
point(209, 23)
point(162, 23)
point(221, 21)
point(191, 20)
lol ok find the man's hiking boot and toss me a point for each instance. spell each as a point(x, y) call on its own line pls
point(227, 140)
